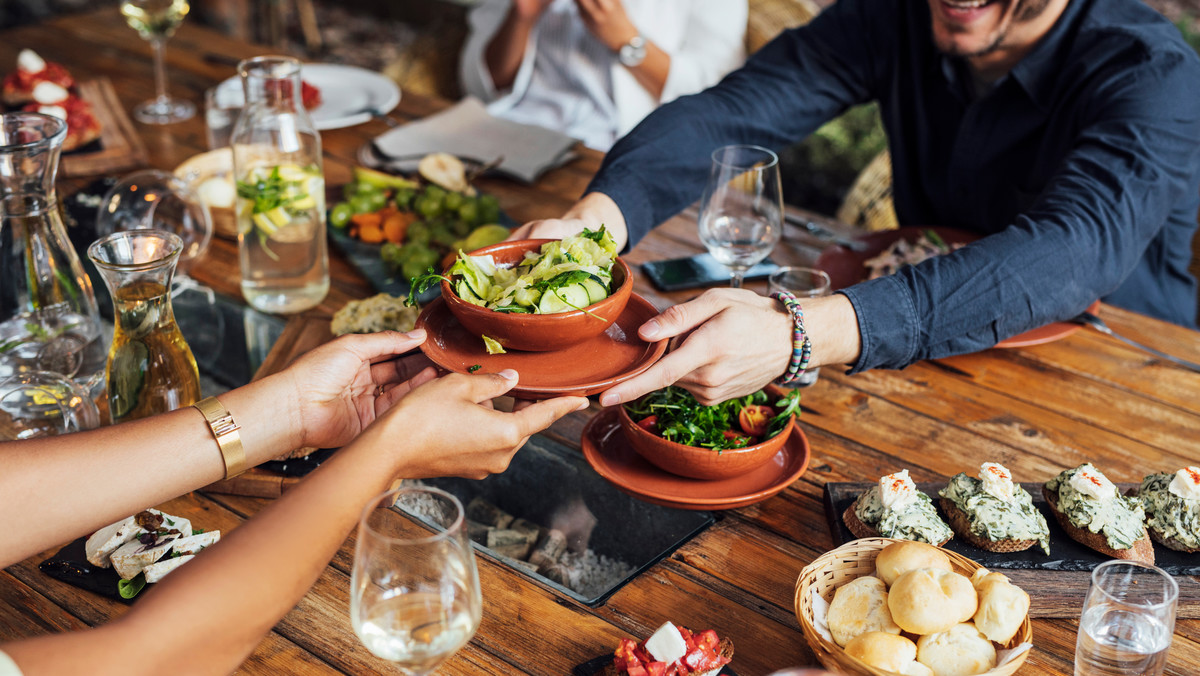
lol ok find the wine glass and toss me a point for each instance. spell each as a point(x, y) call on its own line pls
point(414, 595)
point(156, 21)
point(741, 213)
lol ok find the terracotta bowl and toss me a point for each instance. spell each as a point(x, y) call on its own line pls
point(539, 333)
point(701, 463)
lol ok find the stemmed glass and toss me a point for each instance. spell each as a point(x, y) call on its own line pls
point(414, 595)
point(741, 213)
point(1127, 622)
point(156, 21)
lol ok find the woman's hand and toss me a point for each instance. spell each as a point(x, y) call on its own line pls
point(731, 342)
point(338, 389)
point(447, 426)
point(530, 10)
point(607, 20)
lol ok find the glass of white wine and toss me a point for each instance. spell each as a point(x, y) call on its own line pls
point(414, 594)
point(741, 212)
point(156, 21)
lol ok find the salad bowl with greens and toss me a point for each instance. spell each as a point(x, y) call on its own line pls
point(676, 433)
point(536, 295)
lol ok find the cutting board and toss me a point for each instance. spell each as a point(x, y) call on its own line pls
point(119, 148)
point(1057, 583)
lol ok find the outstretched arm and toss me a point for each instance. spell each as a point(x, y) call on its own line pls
point(55, 489)
point(211, 613)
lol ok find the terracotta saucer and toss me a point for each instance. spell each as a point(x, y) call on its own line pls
point(583, 369)
point(607, 451)
point(845, 268)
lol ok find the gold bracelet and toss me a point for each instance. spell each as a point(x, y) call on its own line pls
point(225, 430)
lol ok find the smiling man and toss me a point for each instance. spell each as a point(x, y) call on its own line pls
point(1066, 132)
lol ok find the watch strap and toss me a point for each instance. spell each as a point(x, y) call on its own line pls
point(225, 431)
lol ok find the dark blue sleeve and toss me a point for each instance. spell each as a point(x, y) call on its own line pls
point(1136, 157)
point(785, 91)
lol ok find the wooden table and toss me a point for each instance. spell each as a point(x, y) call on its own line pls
point(1036, 410)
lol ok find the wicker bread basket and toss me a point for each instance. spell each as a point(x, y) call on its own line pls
point(856, 559)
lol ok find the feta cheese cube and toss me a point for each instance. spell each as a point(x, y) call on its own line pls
point(29, 61)
point(666, 644)
point(1186, 483)
point(1091, 481)
point(192, 544)
point(997, 481)
point(132, 557)
point(48, 93)
point(157, 571)
point(53, 111)
point(897, 490)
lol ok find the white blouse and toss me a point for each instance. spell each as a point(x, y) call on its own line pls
point(570, 81)
point(7, 666)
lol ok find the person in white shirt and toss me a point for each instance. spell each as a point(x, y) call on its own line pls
point(594, 68)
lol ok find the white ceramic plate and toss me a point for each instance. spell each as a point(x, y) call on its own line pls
point(347, 94)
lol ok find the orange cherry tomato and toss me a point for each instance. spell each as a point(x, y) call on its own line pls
point(755, 419)
point(649, 423)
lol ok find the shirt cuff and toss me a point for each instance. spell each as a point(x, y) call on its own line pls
point(625, 188)
point(887, 323)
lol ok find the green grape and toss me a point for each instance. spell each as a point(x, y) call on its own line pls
point(428, 207)
point(404, 197)
point(435, 192)
point(418, 233)
point(469, 212)
point(340, 215)
point(489, 209)
point(361, 204)
point(453, 200)
point(377, 200)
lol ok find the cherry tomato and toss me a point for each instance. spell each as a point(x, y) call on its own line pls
point(737, 437)
point(755, 419)
point(649, 423)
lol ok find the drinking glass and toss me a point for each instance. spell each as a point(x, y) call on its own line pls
point(221, 112)
point(156, 21)
point(801, 283)
point(414, 595)
point(1127, 622)
point(741, 212)
point(41, 403)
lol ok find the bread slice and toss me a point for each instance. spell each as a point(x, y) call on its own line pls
point(725, 650)
point(960, 523)
point(1142, 550)
point(861, 529)
point(1171, 542)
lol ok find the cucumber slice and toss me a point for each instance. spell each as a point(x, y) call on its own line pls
point(465, 292)
point(595, 290)
point(564, 299)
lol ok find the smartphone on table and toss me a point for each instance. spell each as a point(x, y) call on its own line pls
point(696, 271)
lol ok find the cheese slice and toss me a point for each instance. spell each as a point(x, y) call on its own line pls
point(132, 557)
point(997, 481)
point(1186, 483)
point(192, 544)
point(48, 93)
point(105, 541)
point(897, 490)
point(53, 111)
point(157, 571)
point(666, 644)
point(1091, 481)
point(29, 61)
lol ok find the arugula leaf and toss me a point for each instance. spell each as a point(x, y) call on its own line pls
point(937, 240)
point(682, 419)
point(422, 283)
point(130, 588)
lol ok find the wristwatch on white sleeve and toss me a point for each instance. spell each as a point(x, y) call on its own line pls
point(633, 53)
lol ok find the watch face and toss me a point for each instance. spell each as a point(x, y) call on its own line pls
point(633, 52)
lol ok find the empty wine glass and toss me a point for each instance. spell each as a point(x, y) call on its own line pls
point(741, 213)
point(156, 21)
point(414, 595)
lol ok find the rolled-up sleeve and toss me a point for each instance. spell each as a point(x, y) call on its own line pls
point(1135, 159)
point(474, 75)
point(712, 46)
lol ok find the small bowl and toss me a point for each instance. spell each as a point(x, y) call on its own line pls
point(539, 333)
point(214, 165)
point(701, 463)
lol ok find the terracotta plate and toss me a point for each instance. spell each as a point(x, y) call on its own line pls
point(607, 451)
point(587, 368)
point(845, 268)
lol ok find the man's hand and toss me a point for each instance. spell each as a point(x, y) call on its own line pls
point(447, 427)
point(594, 210)
point(607, 20)
point(732, 343)
point(341, 387)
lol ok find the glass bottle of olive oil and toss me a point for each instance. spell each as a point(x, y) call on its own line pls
point(150, 367)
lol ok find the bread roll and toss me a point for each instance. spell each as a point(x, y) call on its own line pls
point(859, 606)
point(929, 600)
point(916, 669)
point(882, 650)
point(959, 651)
point(1002, 606)
point(900, 557)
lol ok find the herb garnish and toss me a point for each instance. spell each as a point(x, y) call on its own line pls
point(682, 419)
point(422, 283)
point(130, 588)
point(474, 367)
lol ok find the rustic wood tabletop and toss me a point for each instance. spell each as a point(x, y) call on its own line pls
point(1037, 410)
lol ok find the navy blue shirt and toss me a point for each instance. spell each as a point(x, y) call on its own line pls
point(1082, 165)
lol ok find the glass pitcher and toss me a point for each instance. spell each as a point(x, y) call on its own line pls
point(150, 366)
point(280, 191)
point(48, 317)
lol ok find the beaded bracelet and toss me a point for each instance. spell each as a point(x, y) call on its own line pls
point(801, 345)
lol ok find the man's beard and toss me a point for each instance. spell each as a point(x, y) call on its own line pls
point(1027, 10)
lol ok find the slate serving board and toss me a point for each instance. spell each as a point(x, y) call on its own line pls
point(70, 565)
point(1057, 583)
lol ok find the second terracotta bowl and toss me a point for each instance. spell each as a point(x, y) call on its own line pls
point(539, 333)
point(696, 462)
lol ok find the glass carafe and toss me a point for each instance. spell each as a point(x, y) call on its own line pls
point(150, 367)
point(280, 191)
point(48, 317)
